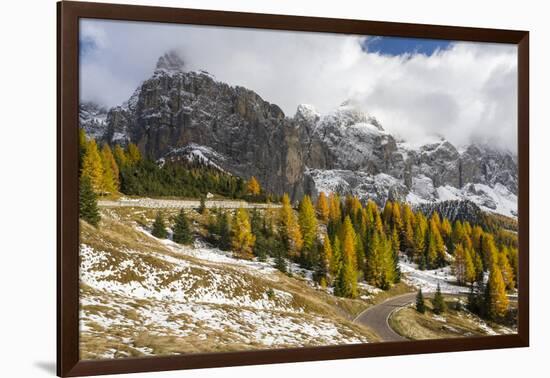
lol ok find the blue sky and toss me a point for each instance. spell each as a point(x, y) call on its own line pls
point(398, 46)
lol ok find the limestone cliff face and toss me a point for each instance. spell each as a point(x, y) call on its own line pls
point(175, 108)
point(177, 111)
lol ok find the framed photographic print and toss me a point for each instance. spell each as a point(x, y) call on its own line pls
point(240, 188)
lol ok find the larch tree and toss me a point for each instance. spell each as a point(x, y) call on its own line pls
point(395, 246)
point(308, 224)
point(182, 229)
point(336, 261)
point(253, 186)
point(506, 269)
point(327, 254)
point(110, 170)
point(349, 242)
point(242, 239)
point(114, 165)
point(87, 202)
point(446, 232)
point(289, 229)
point(430, 258)
point(388, 268)
point(463, 266)
point(397, 220)
point(436, 248)
point(82, 144)
point(92, 166)
point(470, 275)
point(407, 231)
point(419, 239)
point(457, 236)
point(477, 239)
point(467, 228)
point(133, 154)
point(489, 251)
point(513, 259)
point(322, 208)
point(335, 211)
point(387, 215)
point(120, 156)
point(496, 300)
point(346, 281)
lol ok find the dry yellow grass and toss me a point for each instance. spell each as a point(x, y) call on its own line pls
point(453, 323)
point(134, 335)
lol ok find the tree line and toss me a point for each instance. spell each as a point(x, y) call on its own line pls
point(344, 241)
point(105, 171)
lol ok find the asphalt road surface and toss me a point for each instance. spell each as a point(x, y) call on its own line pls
point(376, 317)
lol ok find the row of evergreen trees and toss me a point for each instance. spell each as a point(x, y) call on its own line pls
point(105, 171)
point(344, 242)
point(488, 300)
point(438, 302)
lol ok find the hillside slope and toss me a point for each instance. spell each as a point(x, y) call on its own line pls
point(142, 296)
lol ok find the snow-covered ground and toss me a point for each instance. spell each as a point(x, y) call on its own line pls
point(427, 280)
point(199, 295)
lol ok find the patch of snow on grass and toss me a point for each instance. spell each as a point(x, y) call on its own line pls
point(428, 279)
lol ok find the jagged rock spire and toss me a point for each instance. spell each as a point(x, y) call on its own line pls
point(171, 61)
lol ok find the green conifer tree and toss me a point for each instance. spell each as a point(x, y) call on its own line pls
point(420, 304)
point(439, 305)
point(182, 229)
point(159, 228)
point(224, 228)
point(87, 202)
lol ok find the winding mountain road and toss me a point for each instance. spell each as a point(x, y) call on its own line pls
point(376, 317)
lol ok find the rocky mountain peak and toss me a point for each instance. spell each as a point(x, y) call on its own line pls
point(170, 62)
point(307, 113)
point(181, 114)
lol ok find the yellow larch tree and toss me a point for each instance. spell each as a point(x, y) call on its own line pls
point(92, 166)
point(322, 207)
point(253, 186)
point(242, 239)
point(289, 228)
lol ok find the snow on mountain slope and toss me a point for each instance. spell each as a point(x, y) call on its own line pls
point(93, 119)
point(427, 280)
point(496, 200)
point(381, 187)
point(196, 153)
point(177, 110)
point(144, 296)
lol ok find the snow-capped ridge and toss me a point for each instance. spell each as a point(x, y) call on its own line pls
point(307, 112)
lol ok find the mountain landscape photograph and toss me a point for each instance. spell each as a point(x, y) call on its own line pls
point(246, 189)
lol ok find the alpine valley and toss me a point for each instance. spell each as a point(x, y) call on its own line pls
point(189, 114)
point(210, 221)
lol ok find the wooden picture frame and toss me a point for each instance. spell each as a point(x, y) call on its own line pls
point(68, 15)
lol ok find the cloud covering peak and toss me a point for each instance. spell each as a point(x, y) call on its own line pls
point(465, 92)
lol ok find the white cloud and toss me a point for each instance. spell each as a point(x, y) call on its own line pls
point(465, 92)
